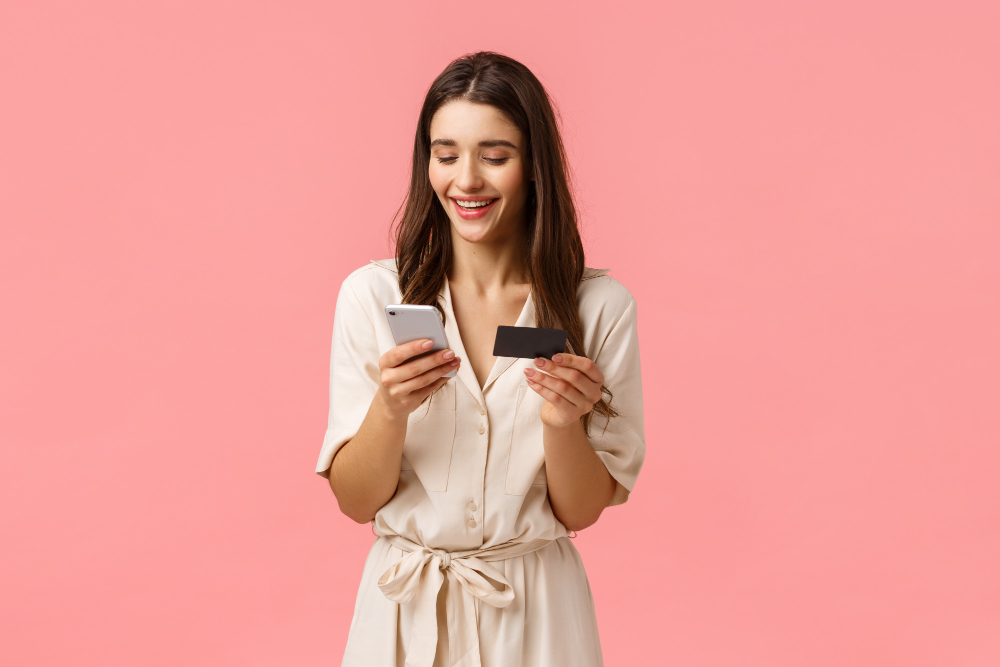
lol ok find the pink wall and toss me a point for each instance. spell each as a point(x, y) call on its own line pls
point(802, 196)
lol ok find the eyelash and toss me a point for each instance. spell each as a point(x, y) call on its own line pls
point(493, 161)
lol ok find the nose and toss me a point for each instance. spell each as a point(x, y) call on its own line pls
point(469, 178)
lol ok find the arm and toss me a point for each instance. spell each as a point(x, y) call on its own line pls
point(580, 486)
point(585, 473)
point(364, 472)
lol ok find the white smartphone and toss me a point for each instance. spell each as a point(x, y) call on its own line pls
point(410, 322)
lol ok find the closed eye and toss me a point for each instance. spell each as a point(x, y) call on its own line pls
point(491, 160)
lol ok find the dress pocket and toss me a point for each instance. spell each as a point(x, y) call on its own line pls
point(430, 438)
point(526, 459)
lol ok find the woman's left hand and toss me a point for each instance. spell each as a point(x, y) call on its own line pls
point(570, 389)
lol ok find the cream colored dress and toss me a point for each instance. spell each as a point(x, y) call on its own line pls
point(471, 566)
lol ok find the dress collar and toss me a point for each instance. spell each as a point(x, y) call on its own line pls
point(526, 318)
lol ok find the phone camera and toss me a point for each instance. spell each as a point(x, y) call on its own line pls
point(392, 312)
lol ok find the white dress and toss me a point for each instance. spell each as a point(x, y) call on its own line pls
point(471, 566)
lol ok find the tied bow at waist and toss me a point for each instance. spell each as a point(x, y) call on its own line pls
point(419, 576)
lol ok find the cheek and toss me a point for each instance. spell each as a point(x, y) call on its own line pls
point(438, 180)
point(512, 185)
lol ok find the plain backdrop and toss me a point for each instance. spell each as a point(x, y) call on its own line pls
point(803, 198)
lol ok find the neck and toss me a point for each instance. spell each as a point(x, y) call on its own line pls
point(486, 267)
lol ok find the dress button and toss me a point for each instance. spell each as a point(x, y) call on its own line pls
point(481, 411)
point(472, 506)
point(482, 429)
point(472, 523)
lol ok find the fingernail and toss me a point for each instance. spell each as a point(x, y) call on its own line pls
point(449, 354)
point(426, 344)
point(539, 362)
point(529, 371)
point(557, 358)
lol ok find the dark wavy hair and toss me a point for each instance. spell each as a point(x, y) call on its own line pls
point(555, 258)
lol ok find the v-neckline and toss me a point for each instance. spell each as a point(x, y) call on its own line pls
point(526, 318)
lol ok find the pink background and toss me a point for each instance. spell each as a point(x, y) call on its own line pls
point(803, 197)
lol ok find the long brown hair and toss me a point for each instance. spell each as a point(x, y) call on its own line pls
point(555, 260)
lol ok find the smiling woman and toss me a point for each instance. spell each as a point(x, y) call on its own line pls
point(471, 176)
point(474, 483)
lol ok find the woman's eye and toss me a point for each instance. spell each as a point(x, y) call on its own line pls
point(491, 160)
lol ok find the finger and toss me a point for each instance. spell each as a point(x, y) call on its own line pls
point(414, 367)
point(429, 377)
point(560, 387)
point(582, 382)
point(558, 400)
point(426, 391)
point(570, 375)
point(397, 355)
point(582, 364)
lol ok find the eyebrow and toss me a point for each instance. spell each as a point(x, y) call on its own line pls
point(489, 143)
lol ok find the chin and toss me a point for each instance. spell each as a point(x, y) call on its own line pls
point(474, 237)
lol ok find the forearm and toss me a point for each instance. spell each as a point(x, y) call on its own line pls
point(579, 484)
point(365, 471)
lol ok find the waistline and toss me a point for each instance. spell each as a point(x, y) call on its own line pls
point(419, 575)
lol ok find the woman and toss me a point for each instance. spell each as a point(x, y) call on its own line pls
point(473, 483)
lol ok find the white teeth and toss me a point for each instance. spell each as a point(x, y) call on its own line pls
point(474, 204)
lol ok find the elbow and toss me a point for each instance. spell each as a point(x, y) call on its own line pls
point(353, 512)
point(587, 516)
point(579, 523)
point(357, 517)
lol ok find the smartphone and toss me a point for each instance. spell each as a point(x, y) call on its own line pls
point(410, 322)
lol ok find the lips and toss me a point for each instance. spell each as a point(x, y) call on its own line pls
point(474, 213)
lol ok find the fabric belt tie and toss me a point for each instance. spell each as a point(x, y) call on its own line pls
point(420, 574)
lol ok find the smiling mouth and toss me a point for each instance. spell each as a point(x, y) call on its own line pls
point(473, 205)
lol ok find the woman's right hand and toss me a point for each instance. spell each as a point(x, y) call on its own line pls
point(405, 382)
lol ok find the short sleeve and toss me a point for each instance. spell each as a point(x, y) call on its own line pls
point(354, 374)
point(622, 445)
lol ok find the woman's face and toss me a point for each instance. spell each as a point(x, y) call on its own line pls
point(479, 171)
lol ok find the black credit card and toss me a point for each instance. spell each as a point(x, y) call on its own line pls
point(529, 342)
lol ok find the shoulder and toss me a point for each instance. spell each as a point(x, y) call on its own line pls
point(375, 282)
point(374, 272)
point(602, 297)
